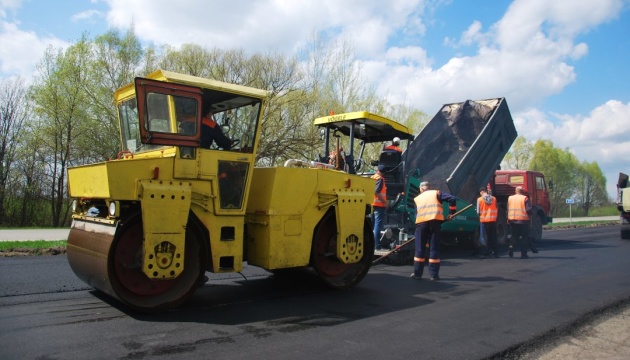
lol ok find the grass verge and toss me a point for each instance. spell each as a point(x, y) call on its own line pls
point(575, 224)
point(36, 244)
point(17, 246)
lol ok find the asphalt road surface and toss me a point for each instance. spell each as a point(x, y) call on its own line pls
point(481, 308)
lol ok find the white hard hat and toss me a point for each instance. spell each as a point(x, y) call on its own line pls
point(396, 140)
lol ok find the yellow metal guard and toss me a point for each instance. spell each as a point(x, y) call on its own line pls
point(350, 239)
point(165, 207)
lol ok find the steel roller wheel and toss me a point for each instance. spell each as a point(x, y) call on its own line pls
point(331, 271)
point(134, 288)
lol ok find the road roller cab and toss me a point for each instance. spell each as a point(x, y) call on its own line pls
point(183, 197)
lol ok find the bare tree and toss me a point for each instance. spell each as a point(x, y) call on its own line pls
point(13, 112)
point(29, 181)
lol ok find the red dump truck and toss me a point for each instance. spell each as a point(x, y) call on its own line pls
point(533, 182)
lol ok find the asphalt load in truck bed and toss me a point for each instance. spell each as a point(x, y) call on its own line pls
point(443, 142)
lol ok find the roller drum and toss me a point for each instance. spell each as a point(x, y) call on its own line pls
point(88, 250)
point(108, 257)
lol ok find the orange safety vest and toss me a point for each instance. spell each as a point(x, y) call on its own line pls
point(428, 206)
point(377, 202)
point(487, 213)
point(208, 122)
point(516, 207)
point(393, 147)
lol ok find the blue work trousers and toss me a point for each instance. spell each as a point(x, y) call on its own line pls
point(427, 233)
point(379, 217)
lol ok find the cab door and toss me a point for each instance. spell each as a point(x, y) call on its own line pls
point(542, 195)
point(156, 123)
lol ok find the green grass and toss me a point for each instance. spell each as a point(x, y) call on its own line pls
point(608, 210)
point(33, 227)
point(604, 211)
point(581, 223)
point(36, 244)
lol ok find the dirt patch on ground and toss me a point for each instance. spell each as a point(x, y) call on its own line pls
point(57, 250)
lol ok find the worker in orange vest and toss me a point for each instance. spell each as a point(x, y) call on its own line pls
point(519, 214)
point(379, 205)
point(488, 212)
point(429, 219)
point(394, 146)
point(211, 132)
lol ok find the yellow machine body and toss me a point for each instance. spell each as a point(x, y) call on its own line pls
point(148, 224)
point(287, 205)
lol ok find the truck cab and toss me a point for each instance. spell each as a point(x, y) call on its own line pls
point(535, 187)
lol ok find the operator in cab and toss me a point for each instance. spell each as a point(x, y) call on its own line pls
point(394, 146)
point(211, 132)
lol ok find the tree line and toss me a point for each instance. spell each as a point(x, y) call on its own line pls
point(66, 116)
point(582, 181)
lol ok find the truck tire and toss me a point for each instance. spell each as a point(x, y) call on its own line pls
point(536, 230)
point(625, 234)
point(503, 229)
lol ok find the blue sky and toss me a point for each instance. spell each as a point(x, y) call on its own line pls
point(561, 65)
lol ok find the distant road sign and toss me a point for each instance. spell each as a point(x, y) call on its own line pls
point(570, 201)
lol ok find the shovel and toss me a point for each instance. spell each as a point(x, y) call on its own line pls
point(412, 239)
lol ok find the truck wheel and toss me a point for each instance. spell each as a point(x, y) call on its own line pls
point(331, 271)
point(536, 230)
point(625, 234)
point(134, 288)
point(502, 229)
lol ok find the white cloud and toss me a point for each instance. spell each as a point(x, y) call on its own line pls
point(410, 55)
point(91, 15)
point(8, 5)
point(19, 48)
point(561, 19)
point(261, 26)
point(523, 57)
point(602, 136)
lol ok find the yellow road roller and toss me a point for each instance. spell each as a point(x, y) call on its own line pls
point(184, 197)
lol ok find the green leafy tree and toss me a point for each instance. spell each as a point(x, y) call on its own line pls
point(591, 184)
point(559, 166)
point(190, 59)
point(519, 155)
point(61, 106)
point(112, 65)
